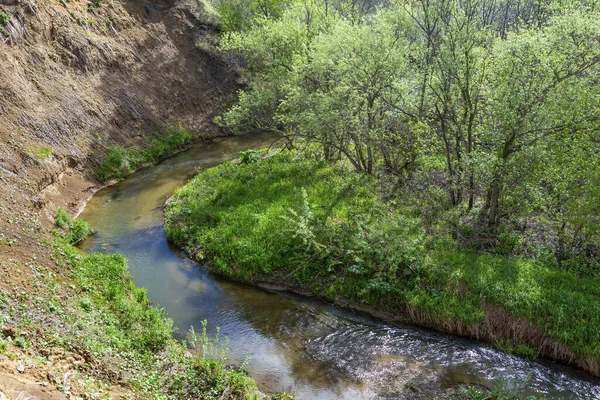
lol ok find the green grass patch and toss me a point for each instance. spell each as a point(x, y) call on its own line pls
point(120, 161)
point(73, 230)
point(315, 225)
point(4, 19)
point(41, 153)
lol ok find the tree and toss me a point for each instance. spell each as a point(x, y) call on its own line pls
point(543, 82)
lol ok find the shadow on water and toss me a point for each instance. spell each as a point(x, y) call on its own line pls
point(306, 347)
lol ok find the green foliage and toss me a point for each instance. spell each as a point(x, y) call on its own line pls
point(107, 277)
point(62, 219)
point(311, 221)
point(114, 165)
point(321, 227)
point(494, 114)
point(79, 230)
point(86, 304)
point(164, 146)
point(111, 317)
point(21, 342)
point(41, 153)
point(520, 350)
point(238, 15)
point(76, 230)
point(249, 156)
point(120, 161)
point(209, 378)
point(4, 19)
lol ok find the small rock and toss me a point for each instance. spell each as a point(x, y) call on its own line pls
point(20, 368)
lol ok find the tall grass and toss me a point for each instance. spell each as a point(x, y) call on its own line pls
point(120, 161)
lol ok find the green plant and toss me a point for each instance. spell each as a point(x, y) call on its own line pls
point(317, 226)
point(62, 219)
point(4, 19)
point(249, 156)
point(21, 342)
point(120, 161)
point(114, 165)
point(86, 304)
point(77, 230)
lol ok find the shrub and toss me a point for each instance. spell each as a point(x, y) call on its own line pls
point(77, 230)
point(62, 219)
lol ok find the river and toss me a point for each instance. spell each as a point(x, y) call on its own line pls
point(309, 348)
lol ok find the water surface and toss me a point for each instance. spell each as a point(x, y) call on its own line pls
point(305, 347)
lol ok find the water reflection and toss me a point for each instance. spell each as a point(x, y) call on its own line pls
point(305, 347)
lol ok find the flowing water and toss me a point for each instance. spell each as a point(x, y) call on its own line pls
point(308, 348)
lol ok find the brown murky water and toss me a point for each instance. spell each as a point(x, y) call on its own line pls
point(309, 348)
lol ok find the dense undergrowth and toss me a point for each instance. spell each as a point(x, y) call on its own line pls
point(318, 226)
point(120, 161)
point(113, 321)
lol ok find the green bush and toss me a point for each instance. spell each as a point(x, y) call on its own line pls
point(76, 230)
point(79, 231)
point(4, 19)
point(62, 219)
point(249, 156)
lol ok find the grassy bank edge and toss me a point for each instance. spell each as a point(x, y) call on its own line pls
point(507, 329)
point(119, 161)
point(118, 323)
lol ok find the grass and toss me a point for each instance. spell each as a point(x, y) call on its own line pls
point(114, 319)
point(41, 153)
point(73, 231)
point(119, 161)
point(316, 226)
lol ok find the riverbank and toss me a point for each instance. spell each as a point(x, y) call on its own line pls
point(115, 329)
point(75, 325)
point(318, 229)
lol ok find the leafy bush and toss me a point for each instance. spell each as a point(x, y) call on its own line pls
point(62, 219)
point(77, 230)
point(249, 156)
point(4, 19)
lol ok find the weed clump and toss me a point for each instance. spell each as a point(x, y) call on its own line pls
point(75, 231)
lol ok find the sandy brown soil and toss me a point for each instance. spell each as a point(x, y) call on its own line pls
point(75, 79)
